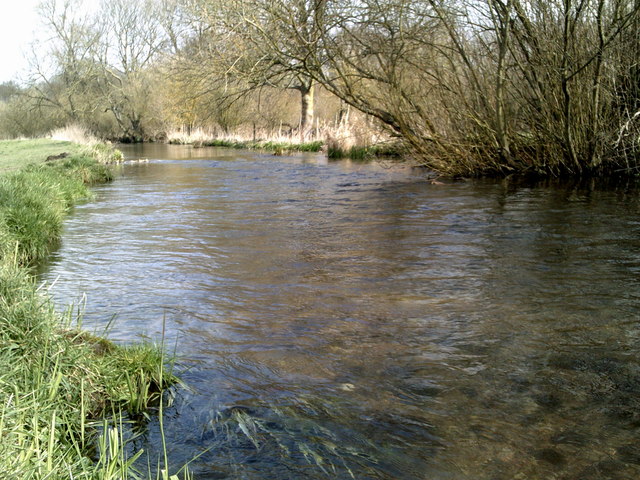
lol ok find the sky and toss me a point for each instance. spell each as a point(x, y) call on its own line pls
point(19, 25)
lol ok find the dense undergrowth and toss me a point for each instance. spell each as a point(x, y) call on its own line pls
point(59, 383)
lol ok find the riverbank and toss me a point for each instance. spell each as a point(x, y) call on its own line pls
point(57, 382)
point(342, 143)
point(334, 151)
point(276, 147)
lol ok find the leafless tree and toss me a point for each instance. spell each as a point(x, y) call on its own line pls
point(483, 86)
point(63, 68)
point(262, 44)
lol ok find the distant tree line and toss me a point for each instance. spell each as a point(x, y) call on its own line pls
point(471, 87)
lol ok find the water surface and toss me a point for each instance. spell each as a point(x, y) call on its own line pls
point(345, 320)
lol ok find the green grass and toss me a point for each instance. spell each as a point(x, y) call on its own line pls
point(59, 385)
point(57, 381)
point(16, 154)
point(35, 200)
point(281, 147)
point(363, 153)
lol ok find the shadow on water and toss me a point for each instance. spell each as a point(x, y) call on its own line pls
point(345, 320)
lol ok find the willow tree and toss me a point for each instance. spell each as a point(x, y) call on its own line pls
point(134, 39)
point(391, 59)
point(487, 86)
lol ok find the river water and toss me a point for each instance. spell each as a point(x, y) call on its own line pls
point(348, 320)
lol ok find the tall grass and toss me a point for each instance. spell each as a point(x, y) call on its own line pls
point(277, 143)
point(92, 146)
point(55, 378)
point(74, 133)
point(344, 140)
point(277, 147)
point(34, 201)
point(335, 150)
point(63, 392)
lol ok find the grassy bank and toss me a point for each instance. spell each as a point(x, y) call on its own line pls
point(274, 146)
point(337, 142)
point(57, 381)
point(333, 149)
point(15, 154)
point(277, 147)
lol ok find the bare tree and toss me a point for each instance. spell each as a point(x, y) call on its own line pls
point(482, 86)
point(471, 86)
point(263, 44)
point(134, 39)
point(99, 62)
point(63, 67)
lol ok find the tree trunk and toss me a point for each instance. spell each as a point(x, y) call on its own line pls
point(593, 142)
point(569, 146)
point(306, 109)
point(502, 21)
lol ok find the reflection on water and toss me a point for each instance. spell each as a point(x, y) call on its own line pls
point(353, 321)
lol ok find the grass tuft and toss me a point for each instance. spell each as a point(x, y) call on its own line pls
point(338, 150)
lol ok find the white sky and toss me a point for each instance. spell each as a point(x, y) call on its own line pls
point(19, 24)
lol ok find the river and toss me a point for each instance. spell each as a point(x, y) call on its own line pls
point(351, 320)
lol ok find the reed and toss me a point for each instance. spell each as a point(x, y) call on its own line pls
point(274, 142)
point(360, 152)
point(359, 141)
point(74, 133)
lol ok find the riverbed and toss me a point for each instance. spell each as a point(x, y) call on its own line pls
point(354, 320)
